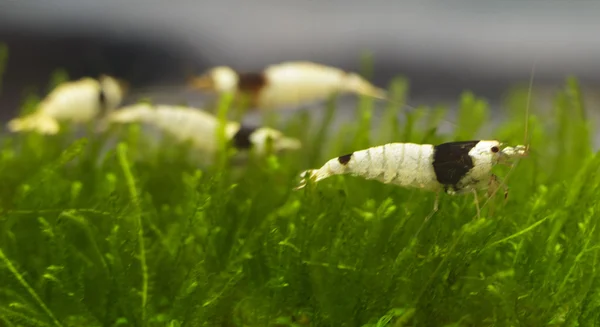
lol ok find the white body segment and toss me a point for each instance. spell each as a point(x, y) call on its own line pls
point(404, 164)
point(78, 102)
point(297, 83)
point(195, 125)
point(183, 123)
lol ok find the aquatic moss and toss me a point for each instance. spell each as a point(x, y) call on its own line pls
point(102, 234)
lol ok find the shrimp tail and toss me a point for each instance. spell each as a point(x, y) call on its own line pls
point(202, 83)
point(359, 85)
point(332, 167)
point(34, 122)
point(313, 174)
point(288, 143)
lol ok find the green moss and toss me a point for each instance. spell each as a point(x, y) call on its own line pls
point(131, 237)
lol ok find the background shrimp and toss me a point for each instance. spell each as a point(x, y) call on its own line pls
point(77, 102)
point(285, 85)
point(200, 127)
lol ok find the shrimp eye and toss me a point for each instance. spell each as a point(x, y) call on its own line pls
point(495, 149)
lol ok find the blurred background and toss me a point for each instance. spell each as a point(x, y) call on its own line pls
point(442, 47)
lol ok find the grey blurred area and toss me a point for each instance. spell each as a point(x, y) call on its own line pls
point(443, 47)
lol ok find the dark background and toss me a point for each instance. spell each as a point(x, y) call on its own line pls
point(443, 47)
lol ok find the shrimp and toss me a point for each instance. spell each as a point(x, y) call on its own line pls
point(453, 167)
point(200, 127)
point(77, 101)
point(286, 85)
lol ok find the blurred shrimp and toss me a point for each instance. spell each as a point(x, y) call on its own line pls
point(76, 101)
point(200, 127)
point(286, 84)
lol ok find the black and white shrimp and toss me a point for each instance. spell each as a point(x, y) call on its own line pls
point(200, 127)
point(454, 167)
point(286, 85)
point(78, 101)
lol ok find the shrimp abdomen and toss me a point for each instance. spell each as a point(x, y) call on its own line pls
point(404, 164)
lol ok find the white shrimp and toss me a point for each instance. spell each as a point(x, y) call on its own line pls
point(287, 84)
point(200, 127)
point(77, 102)
point(454, 167)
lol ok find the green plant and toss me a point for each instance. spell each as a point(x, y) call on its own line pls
point(98, 234)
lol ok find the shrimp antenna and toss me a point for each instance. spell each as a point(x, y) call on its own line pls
point(529, 95)
point(529, 91)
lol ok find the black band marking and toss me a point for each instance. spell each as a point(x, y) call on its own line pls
point(241, 139)
point(345, 159)
point(102, 99)
point(251, 82)
point(451, 162)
